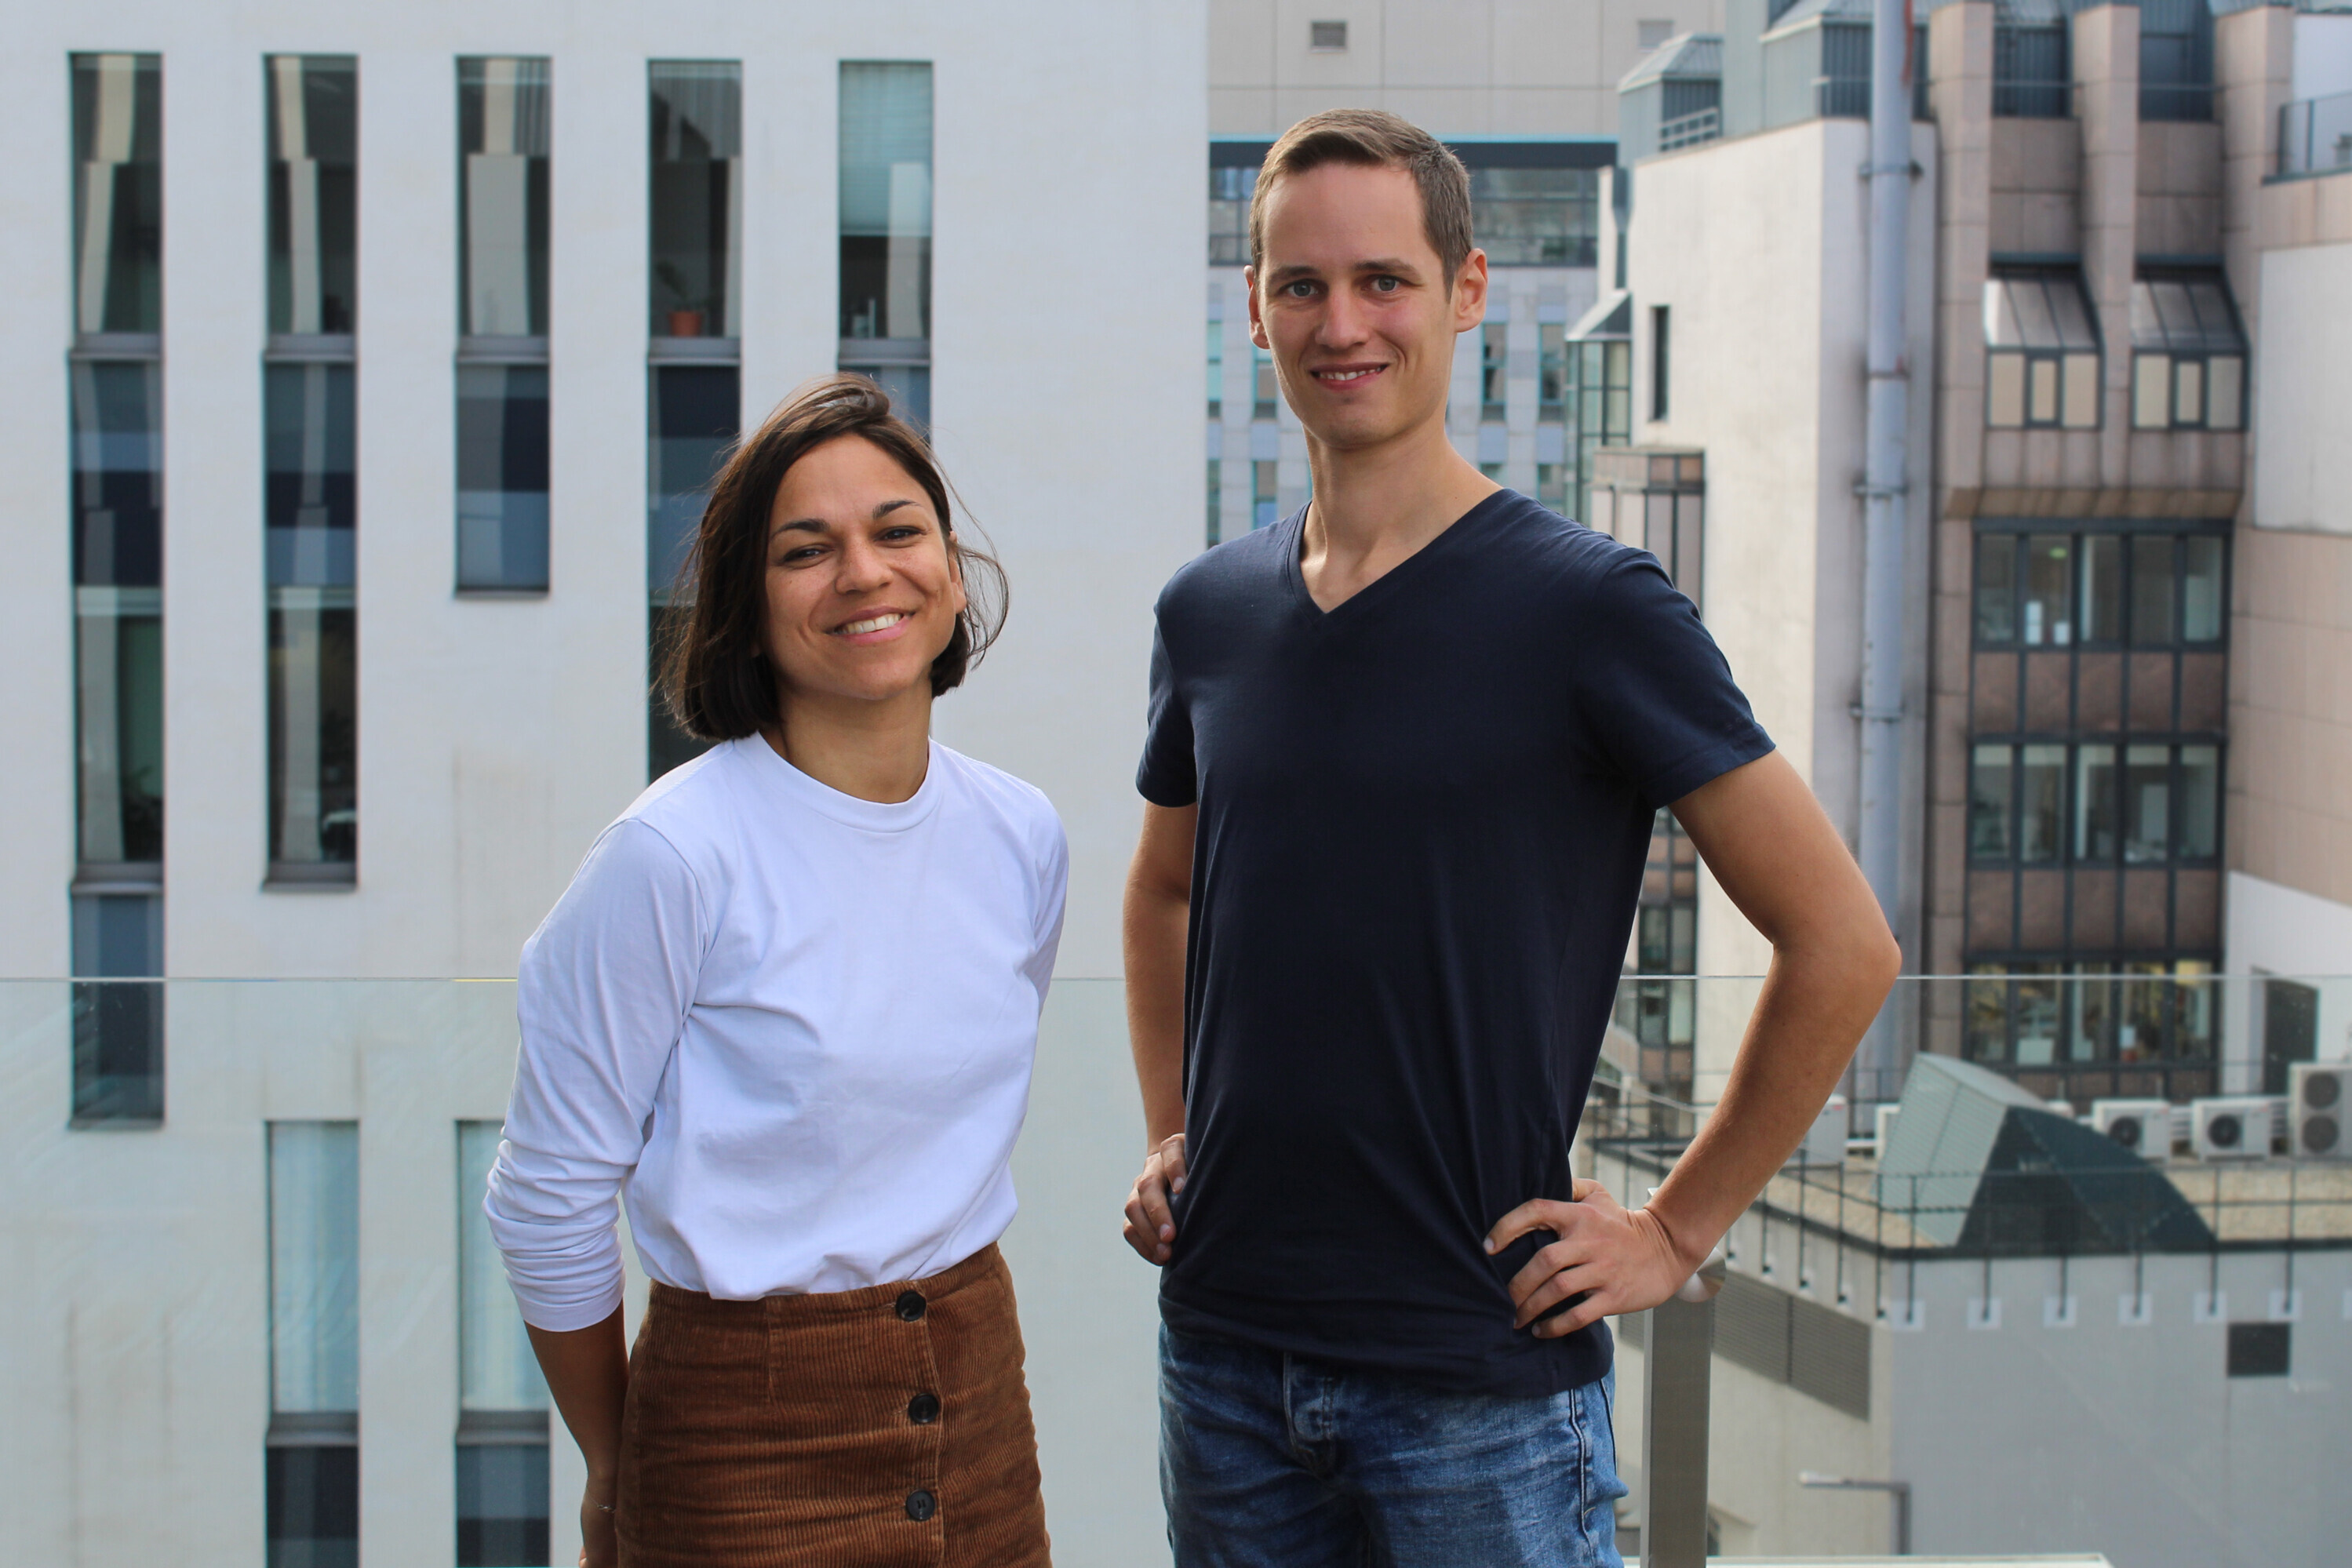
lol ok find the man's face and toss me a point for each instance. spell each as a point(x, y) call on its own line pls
point(1351, 299)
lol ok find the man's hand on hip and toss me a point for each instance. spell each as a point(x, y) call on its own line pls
point(1150, 1226)
point(1619, 1261)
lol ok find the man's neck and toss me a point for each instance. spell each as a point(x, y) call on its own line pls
point(1376, 507)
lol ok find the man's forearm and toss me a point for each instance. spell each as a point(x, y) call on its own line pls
point(1812, 1011)
point(1155, 934)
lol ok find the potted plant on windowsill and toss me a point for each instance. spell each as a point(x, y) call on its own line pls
point(688, 315)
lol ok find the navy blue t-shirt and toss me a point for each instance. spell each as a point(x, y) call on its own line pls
point(1423, 820)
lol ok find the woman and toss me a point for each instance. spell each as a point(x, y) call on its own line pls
point(787, 1007)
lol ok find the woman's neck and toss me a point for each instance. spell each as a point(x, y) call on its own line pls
point(874, 750)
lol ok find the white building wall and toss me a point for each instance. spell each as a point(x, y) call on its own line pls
point(497, 736)
point(2303, 377)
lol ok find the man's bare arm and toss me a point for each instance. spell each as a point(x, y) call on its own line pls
point(1767, 842)
point(1156, 929)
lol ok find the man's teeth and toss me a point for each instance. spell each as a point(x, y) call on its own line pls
point(859, 628)
point(1343, 375)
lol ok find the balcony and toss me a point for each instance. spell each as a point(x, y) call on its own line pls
point(1956, 1292)
point(2315, 135)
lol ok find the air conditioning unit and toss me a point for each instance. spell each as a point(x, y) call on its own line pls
point(2319, 1110)
point(2143, 1126)
point(1883, 1127)
point(2232, 1127)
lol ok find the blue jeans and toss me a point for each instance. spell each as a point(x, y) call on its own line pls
point(1275, 1460)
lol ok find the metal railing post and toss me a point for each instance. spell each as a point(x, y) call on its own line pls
point(1677, 1350)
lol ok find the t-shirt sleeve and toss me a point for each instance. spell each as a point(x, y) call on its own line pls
point(1659, 705)
point(1167, 776)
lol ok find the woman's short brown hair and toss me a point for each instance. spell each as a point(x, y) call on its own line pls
point(715, 676)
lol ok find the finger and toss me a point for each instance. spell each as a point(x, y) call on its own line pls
point(1567, 1283)
point(1536, 1213)
point(1584, 1315)
point(1172, 1162)
point(1146, 1236)
point(1593, 1194)
point(1546, 1263)
point(1145, 1247)
point(1151, 1193)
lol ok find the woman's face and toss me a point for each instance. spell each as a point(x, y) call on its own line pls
point(863, 592)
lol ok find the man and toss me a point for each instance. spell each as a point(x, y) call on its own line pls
point(1404, 751)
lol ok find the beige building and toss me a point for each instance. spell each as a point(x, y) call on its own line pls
point(2125, 672)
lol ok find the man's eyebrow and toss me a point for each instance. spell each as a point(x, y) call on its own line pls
point(819, 526)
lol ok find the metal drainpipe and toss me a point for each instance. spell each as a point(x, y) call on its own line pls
point(1882, 490)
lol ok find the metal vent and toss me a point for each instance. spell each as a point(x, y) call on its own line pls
point(1329, 36)
point(1816, 1351)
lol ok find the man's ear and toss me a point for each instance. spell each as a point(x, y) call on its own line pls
point(1470, 284)
point(1256, 321)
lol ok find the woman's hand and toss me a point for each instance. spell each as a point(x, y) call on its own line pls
point(1619, 1259)
point(1151, 1225)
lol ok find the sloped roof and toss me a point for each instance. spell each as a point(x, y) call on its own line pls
point(1688, 56)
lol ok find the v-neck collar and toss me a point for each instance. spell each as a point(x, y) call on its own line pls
point(1293, 573)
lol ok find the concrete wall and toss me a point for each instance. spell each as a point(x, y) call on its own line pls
point(2127, 1440)
point(497, 736)
point(1497, 67)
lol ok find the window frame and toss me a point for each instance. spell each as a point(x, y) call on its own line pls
point(2025, 302)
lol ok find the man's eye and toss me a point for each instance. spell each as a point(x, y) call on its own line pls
point(1299, 291)
point(1387, 285)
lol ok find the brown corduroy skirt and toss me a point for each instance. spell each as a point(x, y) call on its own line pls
point(856, 1429)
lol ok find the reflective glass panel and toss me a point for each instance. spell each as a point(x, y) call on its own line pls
point(118, 122)
point(501, 1504)
point(886, 199)
point(2041, 791)
point(313, 193)
point(1988, 797)
point(2147, 803)
point(117, 1027)
point(313, 733)
point(2047, 595)
point(2201, 587)
point(2094, 803)
point(695, 183)
point(310, 489)
point(2225, 378)
point(1536, 217)
point(502, 476)
point(2151, 592)
point(2102, 578)
point(502, 194)
point(1996, 588)
point(2200, 802)
point(314, 1221)
point(115, 410)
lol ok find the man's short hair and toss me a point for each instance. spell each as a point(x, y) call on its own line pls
point(1374, 139)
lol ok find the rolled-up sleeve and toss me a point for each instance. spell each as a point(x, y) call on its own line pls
point(604, 987)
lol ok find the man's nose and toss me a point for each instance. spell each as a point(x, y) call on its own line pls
point(1343, 322)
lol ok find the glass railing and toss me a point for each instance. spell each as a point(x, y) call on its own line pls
point(2315, 135)
point(247, 1276)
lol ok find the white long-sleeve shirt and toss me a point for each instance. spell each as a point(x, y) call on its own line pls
point(793, 1028)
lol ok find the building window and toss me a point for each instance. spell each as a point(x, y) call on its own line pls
point(2041, 359)
point(118, 126)
point(1661, 348)
point(1600, 387)
point(694, 393)
point(503, 1426)
point(1266, 399)
point(1526, 212)
point(885, 229)
point(1264, 504)
point(693, 410)
point(310, 493)
point(2092, 1031)
point(2032, 61)
point(1231, 185)
point(1654, 498)
point(2175, 60)
point(118, 1005)
point(2149, 588)
point(2188, 356)
point(1327, 37)
point(2145, 804)
point(1552, 487)
point(116, 424)
point(1216, 499)
point(1661, 1012)
point(313, 676)
point(502, 260)
point(312, 1472)
point(1216, 366)
point(1494, 364)
point(696, 195)
point(1551, 373)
